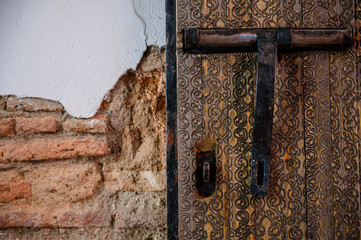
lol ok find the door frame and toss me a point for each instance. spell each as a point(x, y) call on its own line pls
point(171, 108)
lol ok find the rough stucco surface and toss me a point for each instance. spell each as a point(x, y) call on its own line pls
point(114, 194)
point(74, 51)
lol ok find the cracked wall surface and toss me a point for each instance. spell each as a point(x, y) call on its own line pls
point(98, 178)
point(82, 119)
point(152, 14)
point(74, 51)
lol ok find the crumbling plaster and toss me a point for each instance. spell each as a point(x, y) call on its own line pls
point(74, 51)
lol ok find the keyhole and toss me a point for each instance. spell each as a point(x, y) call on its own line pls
point(260, 173)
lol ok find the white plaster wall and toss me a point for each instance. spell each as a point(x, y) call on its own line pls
point(74, 51)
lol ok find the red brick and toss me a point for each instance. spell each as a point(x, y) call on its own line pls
point(42, 149)
point(11, 176)
point(64, 182)
point(36, 125)
point(32, 104)
point(84, 219)
point(97, 124)
point(43, 218)
point(21, 218)
point(7, 127)
point(12, 191)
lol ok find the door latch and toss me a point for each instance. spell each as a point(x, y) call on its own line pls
point(205, 173)
point(267, 42)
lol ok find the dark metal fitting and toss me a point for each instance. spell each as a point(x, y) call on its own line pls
point(284, 38)
point(190, 39)
point(267, 42)
point(197, 40)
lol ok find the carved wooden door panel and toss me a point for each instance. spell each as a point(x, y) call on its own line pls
point(314, 188)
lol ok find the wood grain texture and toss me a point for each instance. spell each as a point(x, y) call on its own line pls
point(314, 188)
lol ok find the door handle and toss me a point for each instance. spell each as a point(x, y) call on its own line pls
point(267, 42)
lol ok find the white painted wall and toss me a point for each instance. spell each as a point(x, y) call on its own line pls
point(74, 51)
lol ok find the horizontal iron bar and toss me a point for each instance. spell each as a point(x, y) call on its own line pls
point(197, 40)
point(318, 38)
point(243, 39)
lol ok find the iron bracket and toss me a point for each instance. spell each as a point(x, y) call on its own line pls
point(267, 42)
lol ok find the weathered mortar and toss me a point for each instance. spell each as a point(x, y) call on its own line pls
point(54, 186)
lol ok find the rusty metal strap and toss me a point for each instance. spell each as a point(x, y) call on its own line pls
point(267, 42)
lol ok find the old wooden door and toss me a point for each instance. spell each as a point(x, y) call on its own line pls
point(315, 162)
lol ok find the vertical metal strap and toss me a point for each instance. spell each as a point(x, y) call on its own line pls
point(263, 117)
point(171, 94)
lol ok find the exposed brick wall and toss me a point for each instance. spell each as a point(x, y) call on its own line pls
point(97, 178)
